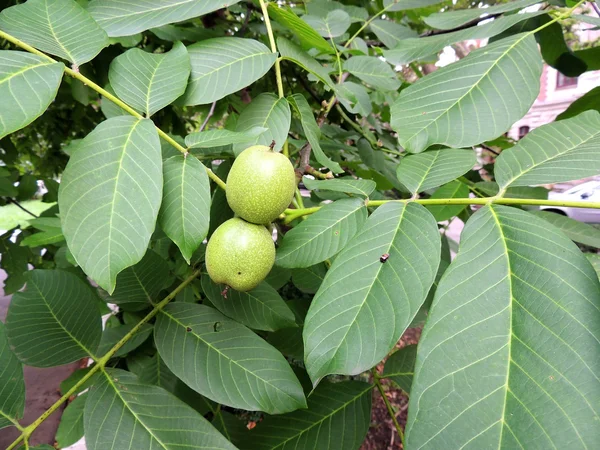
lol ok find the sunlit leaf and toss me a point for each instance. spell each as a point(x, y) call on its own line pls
point(508, 356)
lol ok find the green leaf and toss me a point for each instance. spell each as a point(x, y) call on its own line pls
point(138, 286)
point(290, 51)
point(587, 19)
point(262, 308)
point(589, 101)
point(266, 111)
point(594, 259)
point(222, 66)
point(185, 210)
point(8, 188)
point(337, 418)
point(12, 383)
point(366, 304)
point(403, 5)
point(354, 97)
point(390, 33)
point(124, 17)
point(217, 138)
point(559, 151)
point(419, 48)
point(373, 71)
point(110, 109)
point(400, 367)
point(448, 20)
point(491, 188)
point(308, 37)
point(70, 428)
point(473, 100)
point(55, 321)
point(112, 335)
point(28, 84)
point(240, 370)
point(346, 184)
point(454, 189)
point(576, 231)
point(278, 277)
point(150, 81)
point(333, 25)
point(109, 197)
point(509, 354)
point(309, 279)
point(312, 131)
point(51, 232)
point(59, 27)
point(432, 169)
point(323, 234)
point(121, 411)
point(174, 33)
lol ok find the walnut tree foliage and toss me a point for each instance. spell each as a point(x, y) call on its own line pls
point(122, 119)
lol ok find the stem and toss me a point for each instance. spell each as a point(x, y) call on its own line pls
point(366, 24)
point(357, 127)
point(389, 408)
point(211, 111)
point(86, 81)
point(18, 205)
point(263, 7)
point(101, 362)
point(292, 214)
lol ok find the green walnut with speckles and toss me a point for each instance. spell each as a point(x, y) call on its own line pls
point(240, 254)
point(260, 184)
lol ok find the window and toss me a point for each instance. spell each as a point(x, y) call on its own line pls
point(523, 131)
point(563, 81)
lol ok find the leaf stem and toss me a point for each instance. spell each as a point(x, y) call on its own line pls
point(292, 214)
point(86, 81)
point(101, 362)
point(263, 7)
point(389, 407)
point(357, 127)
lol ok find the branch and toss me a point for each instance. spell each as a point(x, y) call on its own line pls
point(86, 81)
point(391, 412)
point(101, 362)
point(470, 24)
point(211, 111)
point(10, 200)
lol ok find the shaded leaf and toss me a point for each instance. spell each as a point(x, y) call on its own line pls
point(121, 410)
point(345, 184)
point(126, 17)
point(400, 367)
point(312, 131)
point(373, 71)
point(589, 101)
point(12, 383)
point(150, 81)
point(55, 321)
point(390, 33)
point(431, 169)
point(262, 308)
point(576, 231)
point(70, 428)
point(217, 138)
point(558, 151)
point(323, 234)
point(234, 356)
point(185, 210)
point(292, 52)
point(266, 111)
point(28, 84)
point(403, 5)
point(473, 100)
point(109, 197)
point(307, 36)
point(278, 277)
point(366, 304)
point(309, 279)
point(337, 418)
point(60, 27)
point(354, 97)
point(334, 24)
point(112, 335)
point(454, 189)
point(524, 301)
point(222, 66)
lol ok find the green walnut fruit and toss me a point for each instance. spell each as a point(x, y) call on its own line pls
point(240, 254)
point(260, 184)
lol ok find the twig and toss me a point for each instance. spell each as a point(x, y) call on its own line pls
point(208, 116)
point(10, 200)
point(390, 409)
point(470, 24)
point(595, 6)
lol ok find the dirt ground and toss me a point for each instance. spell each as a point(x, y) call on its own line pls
point(382, 434)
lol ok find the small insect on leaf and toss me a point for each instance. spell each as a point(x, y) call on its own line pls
point(188, 329)
point(217, 326)
point(384, 257)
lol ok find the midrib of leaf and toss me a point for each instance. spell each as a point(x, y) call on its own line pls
point(424, 177)
point(476, 84)
point(114, 199)
point(59, 322)
point(142, 285)
point(12, 75)
point(364, 302)
point(225, 356)
point(54, 34)
point(126, 404)
point(148, 94)
point(254, 55)
point(323, 231)
point(325, 417)
point(558, 155)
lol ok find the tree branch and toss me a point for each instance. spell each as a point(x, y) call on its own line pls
point(14, 202)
